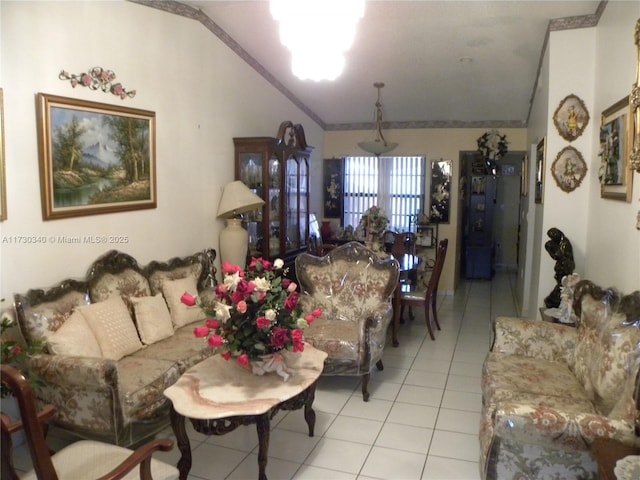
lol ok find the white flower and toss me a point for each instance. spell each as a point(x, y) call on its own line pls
point(302, 323)
point(278, 263)
point(222, 311)
point(231, 281)
point(262, 284)
point(270, 314)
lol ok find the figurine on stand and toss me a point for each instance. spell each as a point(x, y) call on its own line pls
point(560, 249)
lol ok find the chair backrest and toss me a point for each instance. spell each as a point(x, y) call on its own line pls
point(350, 274)
point(404, 243)
point(34, 433)
point(388, 239)
point(441, 255)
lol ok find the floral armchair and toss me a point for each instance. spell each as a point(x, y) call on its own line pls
point(353, 287)
point(550, 390)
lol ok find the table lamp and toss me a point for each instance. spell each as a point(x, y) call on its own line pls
point(236, 199)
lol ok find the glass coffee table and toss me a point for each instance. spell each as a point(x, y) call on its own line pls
point(218, 396)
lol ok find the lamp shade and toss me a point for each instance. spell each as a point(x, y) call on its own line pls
point(377, 146)
point(237, 199)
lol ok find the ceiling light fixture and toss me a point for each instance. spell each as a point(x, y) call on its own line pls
point(379, 145)
point(316, 55)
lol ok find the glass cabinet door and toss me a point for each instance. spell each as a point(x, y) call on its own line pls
point(274, 206)
point(251, 176)
point(303, 220)
point(292, 190)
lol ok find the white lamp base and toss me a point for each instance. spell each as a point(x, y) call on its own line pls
point(234, 243)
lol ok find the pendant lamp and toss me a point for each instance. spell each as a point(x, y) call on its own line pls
point(379, 145)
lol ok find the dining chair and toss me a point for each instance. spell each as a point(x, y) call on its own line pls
point(425, 293)
point(83, 459)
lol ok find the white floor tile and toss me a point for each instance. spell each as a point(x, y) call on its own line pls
point(374, 409)
point(458, 421)
point(276, 469)
point(420, 395)
point(421, 378)
point(416, 415)
point(386, 463)
point(352, 429)
point(309, 472)
point(471, 402)
point(460, 446)
point(461, 383)
point(338, 455)
point(405, 437)
point(213, 462)
point(291, 446)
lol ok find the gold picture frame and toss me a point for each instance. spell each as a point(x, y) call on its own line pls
point(540, 166)
point(616, 178)
point(3, 178)
point(94, 158)
point(634, 100)
point(569, 169)
point(571, 117)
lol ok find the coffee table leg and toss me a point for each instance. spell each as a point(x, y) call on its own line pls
point(179, 430)
point(263, 425)
point(309, 413)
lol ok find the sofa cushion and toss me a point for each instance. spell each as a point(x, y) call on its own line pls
point(174, 269)
point(152, 318)
point(44, 311)
point(142, 383)
point(513, 373)
point(74, 338)
point(181, 314)
point(113, 327)
point(116, 273)
point(183, 348)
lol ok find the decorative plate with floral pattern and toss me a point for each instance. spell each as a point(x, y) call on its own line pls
point(628, 468)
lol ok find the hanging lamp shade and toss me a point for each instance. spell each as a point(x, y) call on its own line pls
point(379, 145)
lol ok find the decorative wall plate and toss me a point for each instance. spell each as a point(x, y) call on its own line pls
point(571, 117)
point(569, 169)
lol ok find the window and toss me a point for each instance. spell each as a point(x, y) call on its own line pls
point(395, 184)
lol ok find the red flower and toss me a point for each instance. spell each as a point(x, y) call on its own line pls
point(213, 324)
point(280, 337)
point(188, 299)
point(243, 360)
point(317, 313)
point(242, 306)
point(17, 350)
point(237, 297)
point(201, 331)
point(215, 341)
point(262, 322)
point(291, 302)
point(226, 355)
point(229, 269)
point(285, 283)
point(245, 288)
point(309, 318)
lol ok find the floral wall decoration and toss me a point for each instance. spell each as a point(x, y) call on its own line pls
point(571, 117)
point(98, 78)
point(569, 169)
point(492, 145)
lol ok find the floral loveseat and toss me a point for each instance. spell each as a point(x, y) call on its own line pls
point(114, 341)
point(353, 287)
point(549, 390)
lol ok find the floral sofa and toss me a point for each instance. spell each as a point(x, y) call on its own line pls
point(353, 288)
point(114, 341)
point(549, 390)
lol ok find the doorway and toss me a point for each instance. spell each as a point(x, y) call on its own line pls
point(490, 214)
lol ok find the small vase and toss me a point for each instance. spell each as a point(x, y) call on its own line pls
point(271, 363)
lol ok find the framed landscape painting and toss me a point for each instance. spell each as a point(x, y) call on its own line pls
point(94, 158)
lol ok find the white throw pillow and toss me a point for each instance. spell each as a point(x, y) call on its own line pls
point(180, 313)
point(111, 324)
point(74, 338)
point(153, 318)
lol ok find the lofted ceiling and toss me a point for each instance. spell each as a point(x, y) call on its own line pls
point(444, 63)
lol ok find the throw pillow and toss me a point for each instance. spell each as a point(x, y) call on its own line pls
point(180, 313)
point(153, 318)
point(113, 327)
point(74, 338)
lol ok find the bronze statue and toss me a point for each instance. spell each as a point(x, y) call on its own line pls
point(559, 248)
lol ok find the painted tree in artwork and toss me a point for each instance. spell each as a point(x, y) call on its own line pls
point(131, 136)
point(67, 145)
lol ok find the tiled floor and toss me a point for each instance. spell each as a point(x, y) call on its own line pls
point(421, 422)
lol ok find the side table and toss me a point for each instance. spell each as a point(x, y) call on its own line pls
point(218, 396)
point(607, 453)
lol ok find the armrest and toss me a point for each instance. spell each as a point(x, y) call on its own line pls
point(74, 371)
point(141, 456)
point(534, 338)
point(527, 424)
point(45, 414)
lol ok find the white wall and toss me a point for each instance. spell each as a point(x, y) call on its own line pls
point(203, 95)
point(598, 65)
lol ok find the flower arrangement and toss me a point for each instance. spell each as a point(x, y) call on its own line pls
point(255, 313)
point(374, 221)
point(492, 145)
point(13, 353)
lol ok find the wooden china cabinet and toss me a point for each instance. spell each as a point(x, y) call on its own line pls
point(277, 170)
